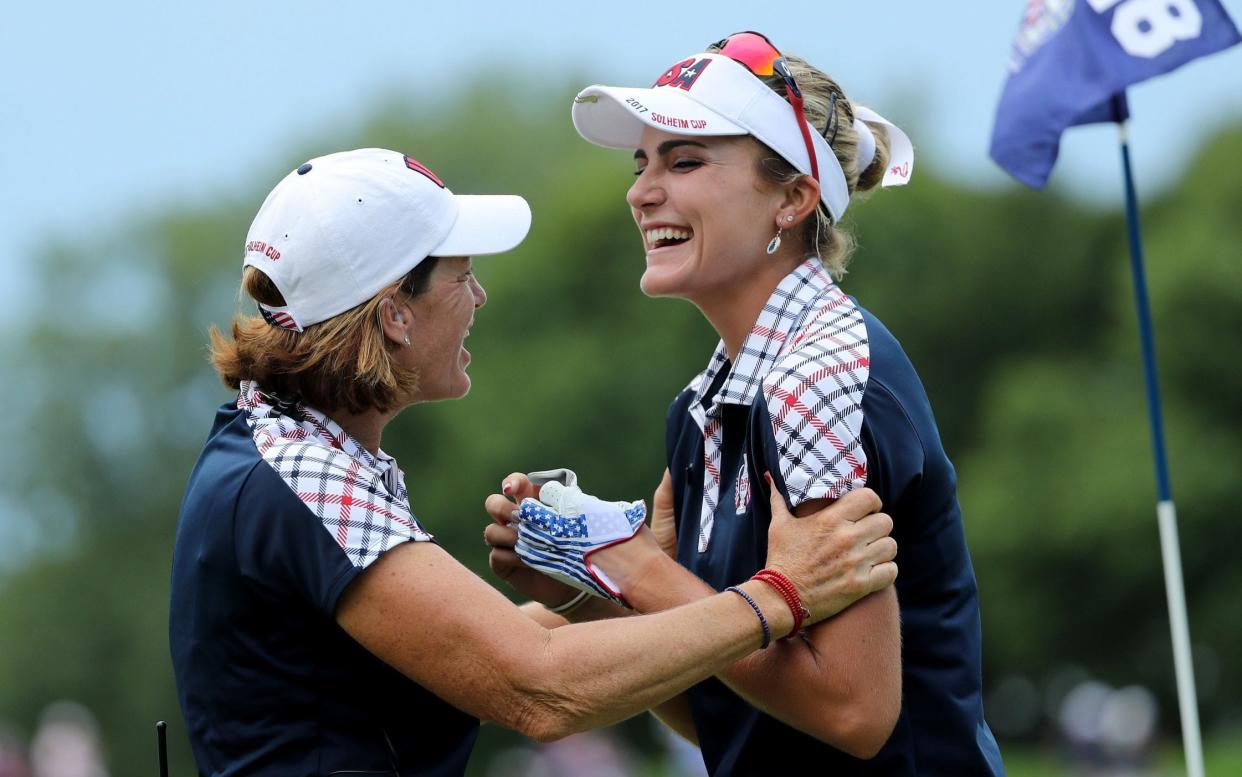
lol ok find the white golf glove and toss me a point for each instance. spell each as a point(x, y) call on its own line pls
point(558, 532)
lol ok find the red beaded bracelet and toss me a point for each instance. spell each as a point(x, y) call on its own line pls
point(785, 587)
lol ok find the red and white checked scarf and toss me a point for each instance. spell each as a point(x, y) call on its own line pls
point(809, 353)
point(360, 498)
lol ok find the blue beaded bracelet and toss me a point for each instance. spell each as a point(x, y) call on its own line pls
point(767, 632)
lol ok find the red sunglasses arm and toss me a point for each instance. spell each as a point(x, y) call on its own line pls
point(796, 101)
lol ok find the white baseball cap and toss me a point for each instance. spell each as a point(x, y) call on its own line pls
point(712, 94)
point(340, 228)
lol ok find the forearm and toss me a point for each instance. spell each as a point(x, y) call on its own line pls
point(595, 674)
point(596, 609)
point(541, 615)
point(592, 609)
point(840, 552)
point(841, 699)
point(675, 713)
point(840, 683)
point(424, 614)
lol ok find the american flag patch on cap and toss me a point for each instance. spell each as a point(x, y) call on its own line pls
point(281, 317)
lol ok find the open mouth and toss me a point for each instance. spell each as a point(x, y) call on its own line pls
point(663, 237)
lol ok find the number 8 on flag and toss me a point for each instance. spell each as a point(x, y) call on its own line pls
point(1148, 28)
point(1073, 57)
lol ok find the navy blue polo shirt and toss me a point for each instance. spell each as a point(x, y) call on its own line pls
point(282, 512)
point(823, 397)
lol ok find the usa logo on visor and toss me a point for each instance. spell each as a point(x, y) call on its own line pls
point(684, 73)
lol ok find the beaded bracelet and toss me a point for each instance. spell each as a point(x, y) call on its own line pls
point(767, 632)
point(785, 587)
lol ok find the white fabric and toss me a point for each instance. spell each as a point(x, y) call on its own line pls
point(866, 146)
point(724, 98)
point(562, 475)
point(900, 149)
point(341, 227)
point(558, 532)
point(361, 499)
point(714, 95)
point(809, 353)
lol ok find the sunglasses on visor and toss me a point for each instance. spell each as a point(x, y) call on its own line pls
point(760, 57)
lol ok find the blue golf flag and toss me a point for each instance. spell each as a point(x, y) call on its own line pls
point(1073, 59)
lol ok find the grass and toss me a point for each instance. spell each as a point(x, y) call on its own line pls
point(1222, 755)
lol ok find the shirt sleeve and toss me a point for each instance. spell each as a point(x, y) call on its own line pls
point(814, 408)
point(282, 549)
point(311, 519)
point(897, 461)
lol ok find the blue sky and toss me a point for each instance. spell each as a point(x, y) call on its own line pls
point(129, 107)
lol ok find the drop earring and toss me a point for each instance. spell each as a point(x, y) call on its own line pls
point(400, 319)
point(775, 244)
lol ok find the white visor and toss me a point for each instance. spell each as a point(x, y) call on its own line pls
point(711, 94)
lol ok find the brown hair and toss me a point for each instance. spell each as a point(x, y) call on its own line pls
point(345, 362)
point(818, 92)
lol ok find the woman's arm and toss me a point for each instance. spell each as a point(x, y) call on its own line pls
point(675, 713)
point(423, 613)
point(841, 683)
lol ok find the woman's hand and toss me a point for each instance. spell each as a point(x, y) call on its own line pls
point(557, 533)
point(621, 562)
point(836, 556)
point(560, 531)
point(626, 562)
point(501, 535)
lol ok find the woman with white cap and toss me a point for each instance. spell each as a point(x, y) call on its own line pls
point(315, 627)
point(746, 162)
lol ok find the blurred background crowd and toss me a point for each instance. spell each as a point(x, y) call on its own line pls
point(1015, 306)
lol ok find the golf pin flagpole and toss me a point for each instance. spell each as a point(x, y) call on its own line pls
point(161, 743)
point(1166, 513)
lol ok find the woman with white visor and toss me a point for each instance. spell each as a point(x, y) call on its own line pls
point(746, 161)
point(315, 626)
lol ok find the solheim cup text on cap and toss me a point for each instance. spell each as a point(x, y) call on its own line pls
point(341, 227)
point(711, 94)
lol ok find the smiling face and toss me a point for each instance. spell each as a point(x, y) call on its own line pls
point(438, 322)
point(704, 212)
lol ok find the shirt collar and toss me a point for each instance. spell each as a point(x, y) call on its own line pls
point(262, 406)
point(778, 320)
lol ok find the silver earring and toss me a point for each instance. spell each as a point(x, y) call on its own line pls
point(407, 341)
point(789, 219)
point(776, 242)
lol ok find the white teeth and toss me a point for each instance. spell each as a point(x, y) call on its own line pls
point(667, 233)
